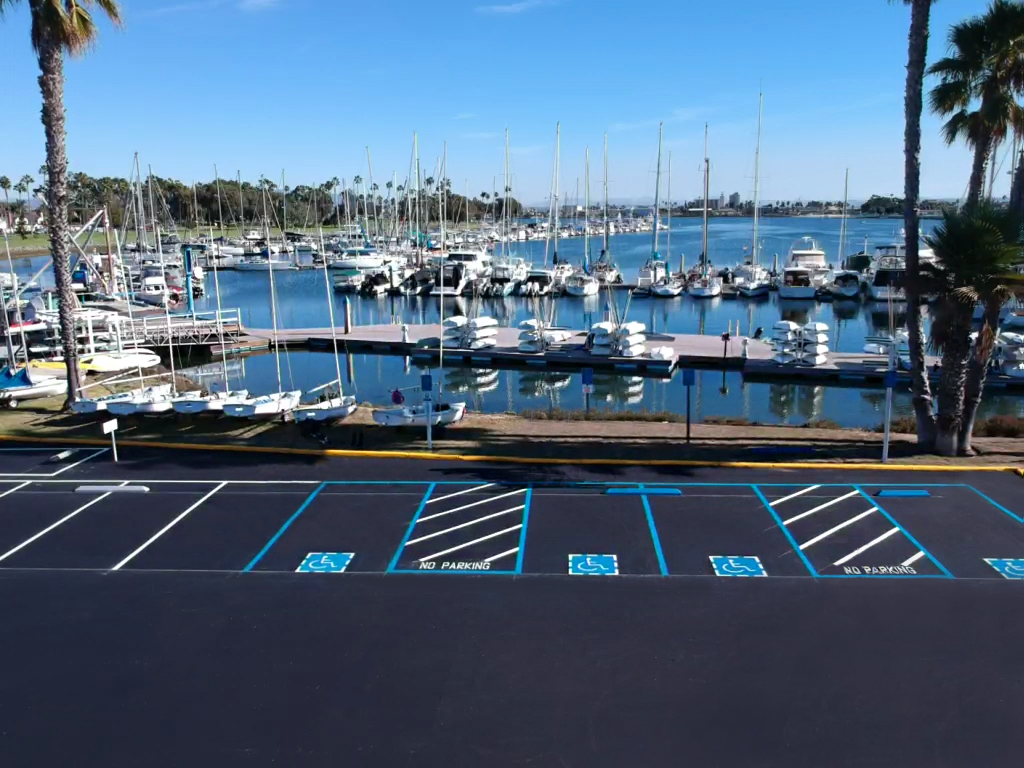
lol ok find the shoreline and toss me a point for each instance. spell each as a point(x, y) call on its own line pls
point(515, 438)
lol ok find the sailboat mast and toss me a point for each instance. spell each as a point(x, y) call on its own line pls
point(163, 275)
point(558, 145)
point(757, 180)
point(606, 193)
point(506, 217)
point(707, 179)
point(220, 208)
point(241, 210)
point(586, 210)
point(273, 308)
point(657, 193)
point(330, 301)
point(441, 210)
point(668, 199)
point(842, 226)
point(373, 196)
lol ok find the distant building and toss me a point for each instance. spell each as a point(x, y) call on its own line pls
point(734, 200)
point(721, 202)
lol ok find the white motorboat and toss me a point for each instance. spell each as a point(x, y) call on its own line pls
point(845, 284)
point(262, 264)
point(100, 404)
point(190, 403)
point(474, 262)
point(706, 287)
point(798, 283)
point(441, 414)
point(274, 404)
point(539, 282)
point(582, 284)
point(21, 384)
point(329, 409)
point(349, 281)
point(364, 257)
point(749, 273)
point(506, 276)
point(754, 289)
point(887, 279)
point(451, 280)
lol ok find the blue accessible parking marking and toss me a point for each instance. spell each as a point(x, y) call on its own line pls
point(737, 565)
point(593, 565)
point(1008, 567)
point(325, 562)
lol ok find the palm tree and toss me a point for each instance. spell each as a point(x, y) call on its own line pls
point(917, 44)
point(979, 82)
point(5, 185)
point(974, 249)
point(61, 27)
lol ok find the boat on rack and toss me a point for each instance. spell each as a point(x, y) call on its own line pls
point(274, 404)
point(212, 402)
point(19, 384)
point(89, 405)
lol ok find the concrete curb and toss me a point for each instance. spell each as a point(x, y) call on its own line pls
point(477, 458)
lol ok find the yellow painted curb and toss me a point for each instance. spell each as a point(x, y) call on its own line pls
point(424, 455)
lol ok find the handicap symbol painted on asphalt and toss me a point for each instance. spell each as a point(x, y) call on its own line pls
point(746, 565)
point(326, 562)
point(1009, 567)
point(593, 565)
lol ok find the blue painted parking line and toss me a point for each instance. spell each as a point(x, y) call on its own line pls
point(903, 493)
point(785, 530)
point(642, 491)
point(662, 566)
point(906, 533)
point(408, 533)
point(284, 528)
point(522, 533)
point(998, 506)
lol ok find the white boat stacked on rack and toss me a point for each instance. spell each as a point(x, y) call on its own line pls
point(150, 400)
point(114, 362)
point(99, 404)
point(274, 404)
point(21, 384)
point(441, 414)
point(478, 333)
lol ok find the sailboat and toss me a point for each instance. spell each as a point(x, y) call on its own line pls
point(655, 270)
point(276, 403)
point(329, 407)
point(604, 269)
point(752, 281)
point(582, 282)
point(845, 283)
point(671, 285)
point(706, 285)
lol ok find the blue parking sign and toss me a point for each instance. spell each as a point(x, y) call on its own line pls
point(325, 562)
point(1008, 567)
point(593, 565)
point(737, 565)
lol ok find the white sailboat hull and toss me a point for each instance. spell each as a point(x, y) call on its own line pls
point(358, 262)
point(209, 404)
point(101, 404)
point(268, 405)
point(753, 290)
point(416, 416)
point(705, 289)
point(328, 410)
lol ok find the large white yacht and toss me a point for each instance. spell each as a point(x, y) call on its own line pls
point(475, 262)
point(805, 272)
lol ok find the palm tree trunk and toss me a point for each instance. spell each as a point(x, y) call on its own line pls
point(977, 372)
point(51, 84)
point(913, 105)
point(952, 383)
point(981, 152)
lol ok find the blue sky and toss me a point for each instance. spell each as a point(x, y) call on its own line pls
point(306, 85)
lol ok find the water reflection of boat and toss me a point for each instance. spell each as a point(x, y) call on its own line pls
point(536, 383)
point(458, 380)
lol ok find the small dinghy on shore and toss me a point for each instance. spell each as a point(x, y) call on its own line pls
point(442, 414)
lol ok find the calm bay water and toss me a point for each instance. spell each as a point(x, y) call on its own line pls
point(302, 302)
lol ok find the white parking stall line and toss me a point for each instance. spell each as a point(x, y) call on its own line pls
point(470, 543)
point(166, 528)
point(459, 493)
point(465, 525)
point(492, 558)
point(92, 455)
point(808, 489)
point(49, 528)
point(913, 559)
point(468, 506)
point(839, 527)
point(9, 491)
point(820, 507)
point(866, 547)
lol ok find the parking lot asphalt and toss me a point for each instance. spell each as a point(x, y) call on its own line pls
point(196, 609)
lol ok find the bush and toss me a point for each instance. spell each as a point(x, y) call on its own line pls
point(995, 426)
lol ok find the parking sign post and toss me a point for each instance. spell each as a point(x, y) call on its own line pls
point(110, 428)
point(689, 379)
point(588, 388)
point(427, 385)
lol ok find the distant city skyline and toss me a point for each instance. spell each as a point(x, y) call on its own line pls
point(833, 84)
